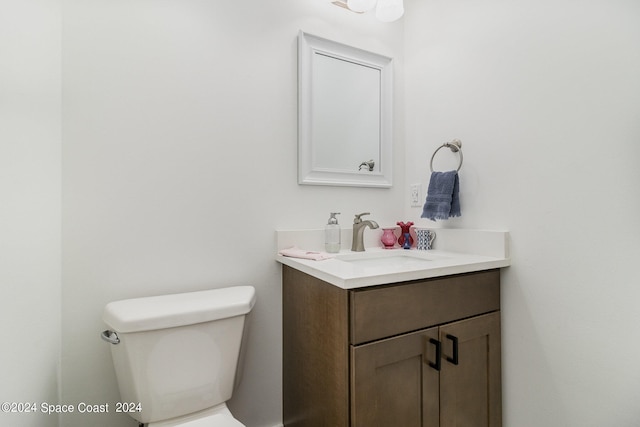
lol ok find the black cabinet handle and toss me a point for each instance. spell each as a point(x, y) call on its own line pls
point(438, 345)
point(453, 359)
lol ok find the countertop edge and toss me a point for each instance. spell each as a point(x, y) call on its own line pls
point(467, 264)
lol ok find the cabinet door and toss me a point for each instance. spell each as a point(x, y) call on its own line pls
point(393, 383)
point(471, 389)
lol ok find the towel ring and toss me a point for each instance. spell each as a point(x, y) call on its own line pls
point(455, 146)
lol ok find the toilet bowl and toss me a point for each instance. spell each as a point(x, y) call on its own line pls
point(177, 355)
point(220, 416)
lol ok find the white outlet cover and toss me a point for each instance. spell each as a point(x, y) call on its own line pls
point(415, 191)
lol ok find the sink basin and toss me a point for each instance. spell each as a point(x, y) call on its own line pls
point(459, 251)
point(397, 259)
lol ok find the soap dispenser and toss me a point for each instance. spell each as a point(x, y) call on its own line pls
point(332, 234)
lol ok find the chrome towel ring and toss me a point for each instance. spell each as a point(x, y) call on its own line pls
point(455, 146)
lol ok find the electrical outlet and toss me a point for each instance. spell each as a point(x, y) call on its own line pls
point(414, 195)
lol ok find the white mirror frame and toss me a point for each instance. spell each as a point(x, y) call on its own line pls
point(309, 46)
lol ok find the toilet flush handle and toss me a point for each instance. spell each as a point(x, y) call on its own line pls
point(110, 337)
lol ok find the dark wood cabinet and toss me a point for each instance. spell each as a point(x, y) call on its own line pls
point(392, 383)
point(424, 353)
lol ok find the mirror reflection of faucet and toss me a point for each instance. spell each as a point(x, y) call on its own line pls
point(370, 165)
point(358, 231)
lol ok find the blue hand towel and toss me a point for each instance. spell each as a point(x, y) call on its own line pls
point(442, 201)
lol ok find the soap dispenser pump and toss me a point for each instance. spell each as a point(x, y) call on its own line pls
point(332, 234)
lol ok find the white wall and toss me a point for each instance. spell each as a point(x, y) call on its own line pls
point(179, 153)
point(545, 96)
point(29, 206)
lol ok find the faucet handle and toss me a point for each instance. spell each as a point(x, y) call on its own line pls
point(357, 219)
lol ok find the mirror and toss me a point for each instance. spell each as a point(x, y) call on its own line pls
point(344, 114)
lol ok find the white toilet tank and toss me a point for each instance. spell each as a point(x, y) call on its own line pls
point(177, 354)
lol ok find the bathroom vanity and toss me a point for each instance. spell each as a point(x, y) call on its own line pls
point(419, 349)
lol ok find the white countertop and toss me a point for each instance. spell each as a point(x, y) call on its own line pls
point(463, 251)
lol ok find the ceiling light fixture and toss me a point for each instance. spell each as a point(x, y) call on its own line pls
point(386, 10)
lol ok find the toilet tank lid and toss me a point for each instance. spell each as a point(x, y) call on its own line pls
point(168, 311)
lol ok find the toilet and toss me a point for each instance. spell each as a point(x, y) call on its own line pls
point(176, 355)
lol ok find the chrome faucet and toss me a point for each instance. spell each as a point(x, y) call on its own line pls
point(359, 225)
